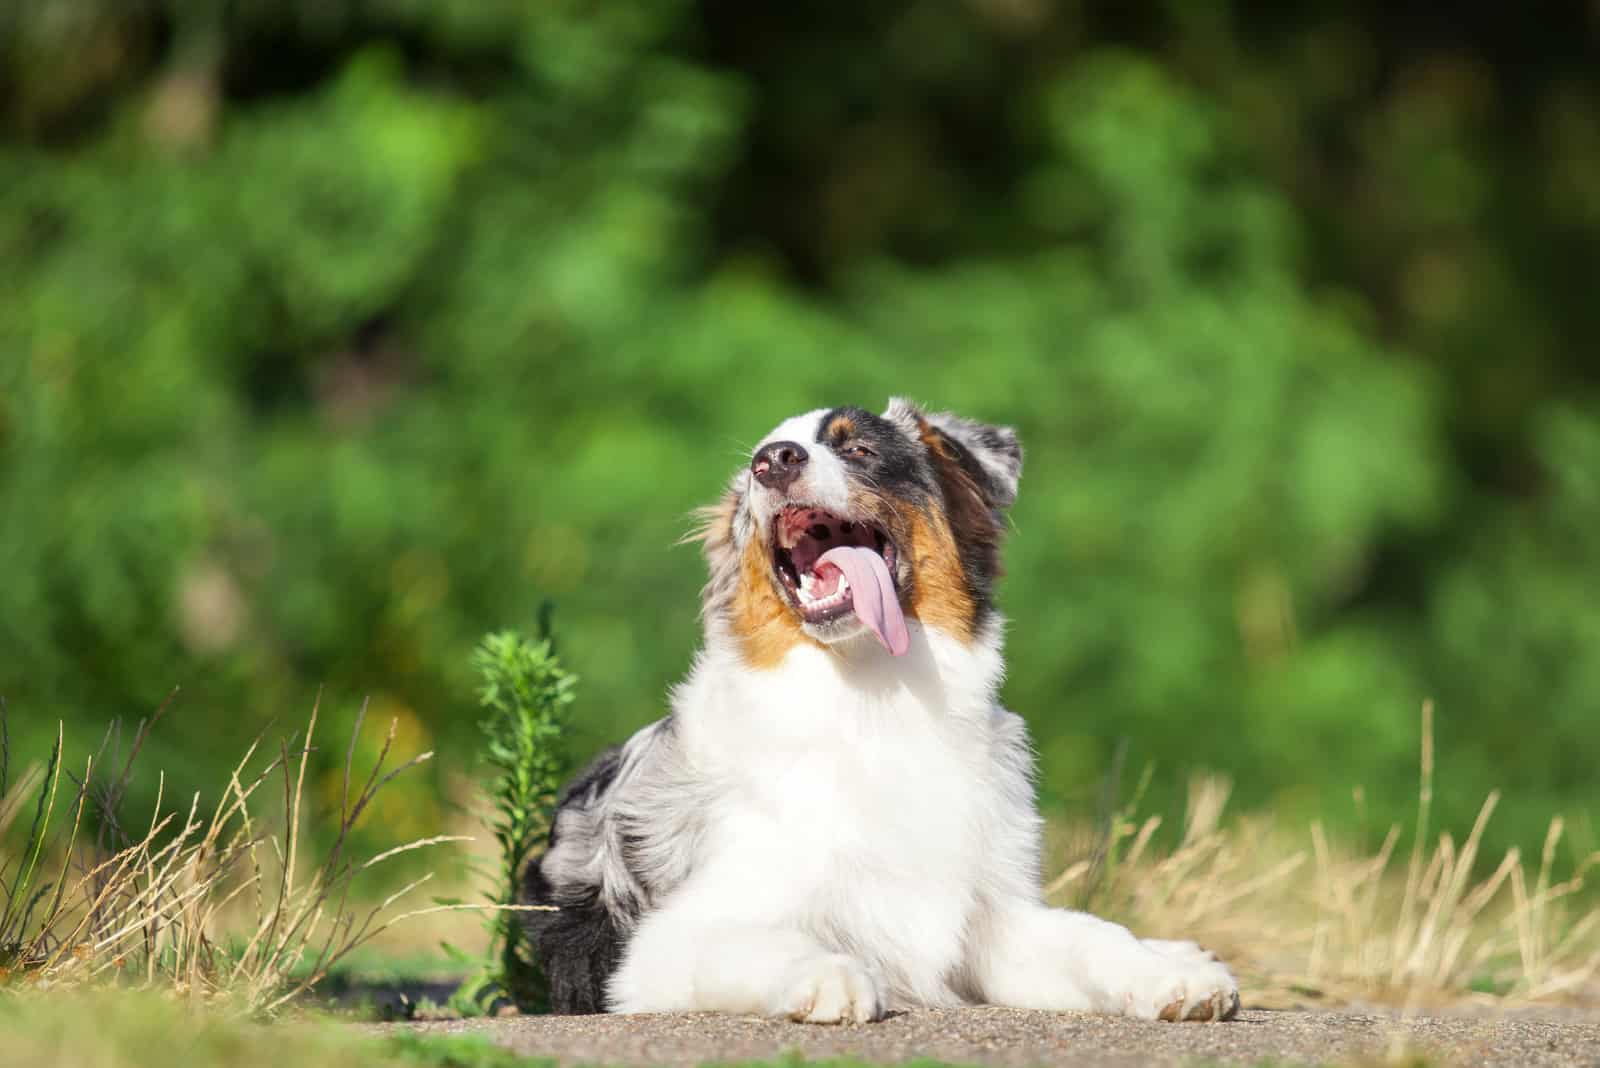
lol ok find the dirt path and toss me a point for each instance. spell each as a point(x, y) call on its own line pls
point(1005, 1037)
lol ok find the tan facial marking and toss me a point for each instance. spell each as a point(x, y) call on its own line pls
point(762, 621)
point(713, 529)
point(939, 595)
point(943, 598)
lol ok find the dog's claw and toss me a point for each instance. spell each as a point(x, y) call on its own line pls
point(1218, 1008)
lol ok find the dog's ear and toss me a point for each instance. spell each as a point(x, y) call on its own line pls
point(991, 456)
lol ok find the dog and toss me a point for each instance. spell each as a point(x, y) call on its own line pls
point(837, 819)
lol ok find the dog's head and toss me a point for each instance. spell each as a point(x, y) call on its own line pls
point(845, 521)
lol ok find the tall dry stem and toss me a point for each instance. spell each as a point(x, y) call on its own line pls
point(164, 909)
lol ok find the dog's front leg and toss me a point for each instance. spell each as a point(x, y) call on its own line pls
point(693, 956)
point(1035, 957)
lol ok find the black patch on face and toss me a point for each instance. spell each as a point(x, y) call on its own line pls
point(581, 945)
point(898, 465)
point(980, 549)
point(902, 467)
point(985, 438)
point(976, 525)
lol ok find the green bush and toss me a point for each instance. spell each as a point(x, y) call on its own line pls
point(332, 330)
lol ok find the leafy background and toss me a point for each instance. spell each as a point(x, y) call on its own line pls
point(335, 333)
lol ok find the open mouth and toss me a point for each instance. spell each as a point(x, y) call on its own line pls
point(831, 567)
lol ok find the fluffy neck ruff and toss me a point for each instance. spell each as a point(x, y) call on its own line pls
point(848, 688)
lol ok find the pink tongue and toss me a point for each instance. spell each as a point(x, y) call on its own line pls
point(872, 592)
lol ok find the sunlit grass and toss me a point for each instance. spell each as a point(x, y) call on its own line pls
point(215, 904)
point(1302, 915)
point(141, 1029)
point(208, 902)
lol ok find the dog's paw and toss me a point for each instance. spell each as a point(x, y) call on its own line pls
point(830, 989)
point(1181, 981)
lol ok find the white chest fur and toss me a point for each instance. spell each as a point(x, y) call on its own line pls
point(857, 835)
point(857, 795)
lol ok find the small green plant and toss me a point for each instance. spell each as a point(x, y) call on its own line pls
point(24, 945)
point(525, 693)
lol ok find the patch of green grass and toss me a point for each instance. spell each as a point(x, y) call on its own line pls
point(143, 1030)
point(456, 1051)
point(127, 1029)
point(124, 1029)
point(370, 965)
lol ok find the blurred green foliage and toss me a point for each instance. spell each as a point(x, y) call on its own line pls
point(336, 332)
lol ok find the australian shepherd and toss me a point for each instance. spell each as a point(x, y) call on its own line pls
point(836, 820)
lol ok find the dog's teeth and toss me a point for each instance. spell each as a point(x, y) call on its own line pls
point(838, 597)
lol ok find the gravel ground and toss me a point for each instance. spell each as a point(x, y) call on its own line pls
point(1014, 1039)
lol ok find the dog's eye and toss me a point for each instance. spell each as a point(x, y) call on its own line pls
point(859, 452)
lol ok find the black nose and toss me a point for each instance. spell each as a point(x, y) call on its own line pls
point(778, 464)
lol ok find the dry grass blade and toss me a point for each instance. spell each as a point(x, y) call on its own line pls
point(161, 909)
point(1349, 925)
